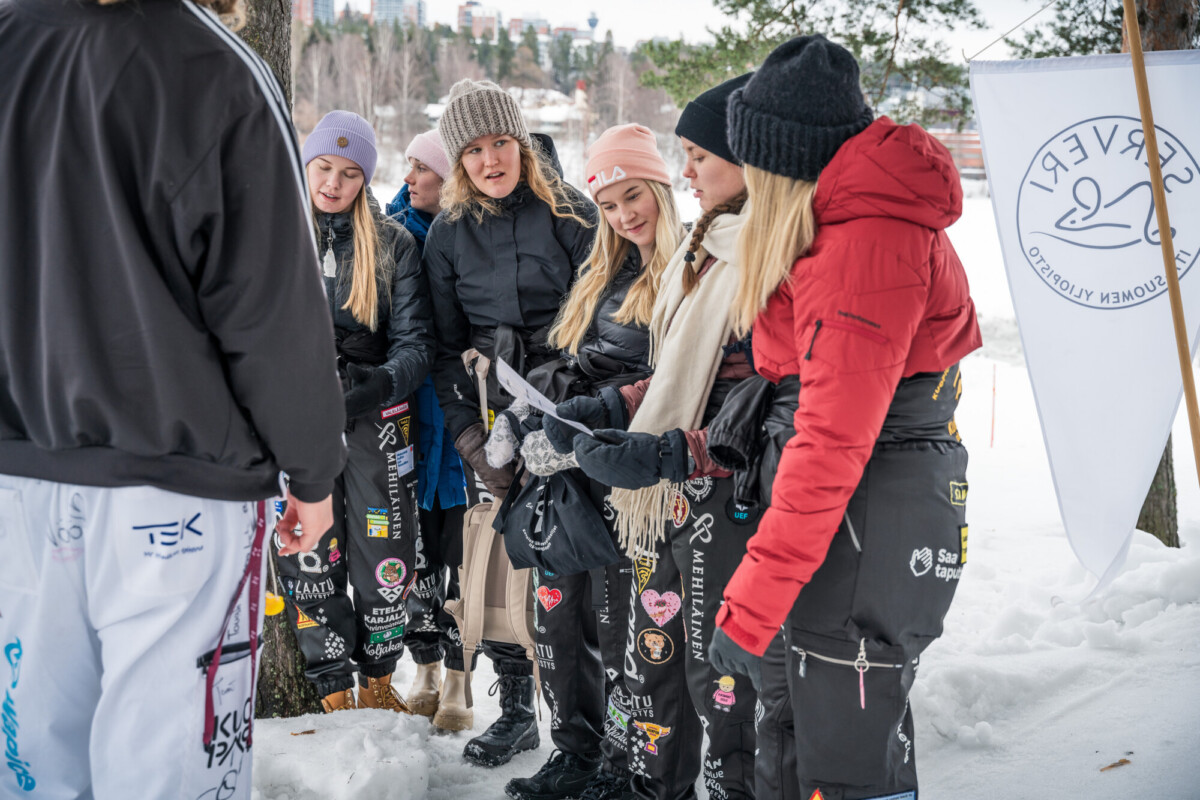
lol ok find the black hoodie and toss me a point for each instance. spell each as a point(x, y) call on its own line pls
point(162, 318)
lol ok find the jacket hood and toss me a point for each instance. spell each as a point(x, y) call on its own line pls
point(890, 170)
point(547, 144)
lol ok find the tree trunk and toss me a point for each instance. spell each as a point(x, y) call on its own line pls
point(1158, 512)
point(1165, 25)
point(269, 31)
point(283, 691)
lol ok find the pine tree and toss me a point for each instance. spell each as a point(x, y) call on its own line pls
point(892, 39)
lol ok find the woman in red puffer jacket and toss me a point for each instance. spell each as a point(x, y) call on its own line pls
point(853, 285)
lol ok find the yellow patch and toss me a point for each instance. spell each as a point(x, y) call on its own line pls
point(958, 493)
point(962, 532)
point(304, 621)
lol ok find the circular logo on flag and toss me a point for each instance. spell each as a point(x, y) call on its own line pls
point(1086, 217)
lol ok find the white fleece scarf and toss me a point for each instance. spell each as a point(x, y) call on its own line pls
point(687, 334)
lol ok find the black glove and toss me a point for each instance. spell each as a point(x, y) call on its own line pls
point(633, 460)
point(604, 411)
point(368, 388)
point(728, 658)
point(470, 444)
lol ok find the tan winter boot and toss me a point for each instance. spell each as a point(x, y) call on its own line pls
point(338, 700)
point(423, 694)
point(453, 714)
point(379, 693)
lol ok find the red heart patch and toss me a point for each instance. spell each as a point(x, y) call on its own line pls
point(549, 598)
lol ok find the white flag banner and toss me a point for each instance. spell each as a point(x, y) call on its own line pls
point(1070, 183)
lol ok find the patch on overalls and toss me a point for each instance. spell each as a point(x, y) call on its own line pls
point(739, 514)
point(548, 597)
point(901, 796)
point(724, 696)
point(661, 608)
point(377, 523)
point(653, 733)
point(644, 568)
point(654, 646)
point(962, 532)
point(334, 554)
point(304, 621)
point(390, 572)
point(958, 493)
point(699, 489)
point(394, 410)
point(679, 509)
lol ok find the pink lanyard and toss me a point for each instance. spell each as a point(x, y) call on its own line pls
point(254, 573)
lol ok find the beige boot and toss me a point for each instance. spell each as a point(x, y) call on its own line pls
point(423, 694)
point(453, 714)
point(338, 700)
point(379, 693)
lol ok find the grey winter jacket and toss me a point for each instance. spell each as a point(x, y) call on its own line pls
point(162, 320)
point(513, 269)
point(403, 340)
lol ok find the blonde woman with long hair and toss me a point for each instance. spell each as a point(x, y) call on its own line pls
point(381, 318)
point(500, 257)
point(854, 289)
point(676, 512)
point(603, 333)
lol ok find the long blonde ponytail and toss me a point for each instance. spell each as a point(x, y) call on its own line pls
point(780, 227)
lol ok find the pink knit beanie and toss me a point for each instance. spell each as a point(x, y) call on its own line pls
point(427, 148)
point(622, 152)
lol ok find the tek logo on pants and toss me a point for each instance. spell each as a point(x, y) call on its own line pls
point(169, 539)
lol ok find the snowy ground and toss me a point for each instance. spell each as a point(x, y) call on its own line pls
point(1030, 693)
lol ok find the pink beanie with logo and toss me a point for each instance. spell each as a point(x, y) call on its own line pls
point(427, 148)
point(623, 152)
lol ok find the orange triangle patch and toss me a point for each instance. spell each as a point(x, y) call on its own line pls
point(816, 795)
point(303, 620)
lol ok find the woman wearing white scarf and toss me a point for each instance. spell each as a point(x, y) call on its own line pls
point(675, 512)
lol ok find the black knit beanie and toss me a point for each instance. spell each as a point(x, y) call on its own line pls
point(703, 119)
point(801, 105)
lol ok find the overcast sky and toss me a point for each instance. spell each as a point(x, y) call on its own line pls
point(633, 20)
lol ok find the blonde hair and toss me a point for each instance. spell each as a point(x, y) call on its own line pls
point(691, 273)
point(373, 264)
point(780, 227)
point(461, 196)
point(231, 12)
point(608, 254)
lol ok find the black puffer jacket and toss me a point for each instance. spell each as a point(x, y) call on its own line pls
point(608, 341)
point(403, 342)
point(513, 269)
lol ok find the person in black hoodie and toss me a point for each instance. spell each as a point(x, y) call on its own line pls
point(380, 306)
point(500, 258)
point(165, 352)
point(602, 331)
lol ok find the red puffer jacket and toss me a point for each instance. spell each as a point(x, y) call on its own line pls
point(880, 296)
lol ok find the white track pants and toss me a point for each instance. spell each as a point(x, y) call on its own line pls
point(109, 601)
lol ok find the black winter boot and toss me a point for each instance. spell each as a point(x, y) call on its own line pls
point(516, 729)
point(564, 776)
point(606, 784)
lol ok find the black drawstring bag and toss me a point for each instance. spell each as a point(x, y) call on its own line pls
point(553, 524)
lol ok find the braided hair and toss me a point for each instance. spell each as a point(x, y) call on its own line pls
point(734, 205)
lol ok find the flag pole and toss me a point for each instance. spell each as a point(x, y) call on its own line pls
point(1164, 226)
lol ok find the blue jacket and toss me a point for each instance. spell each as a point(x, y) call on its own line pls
point(439, 468)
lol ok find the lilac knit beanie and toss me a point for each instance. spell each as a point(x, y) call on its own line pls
point(345, 134)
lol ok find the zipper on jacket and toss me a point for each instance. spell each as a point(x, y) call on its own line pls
point(808, 355)
point(878, 338)
point(860, 664)
point(230, 653)
point(853, 535)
